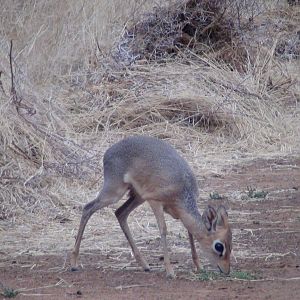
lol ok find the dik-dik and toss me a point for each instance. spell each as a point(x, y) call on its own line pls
point(153, 171)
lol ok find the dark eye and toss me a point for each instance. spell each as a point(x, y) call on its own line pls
point(219, 248)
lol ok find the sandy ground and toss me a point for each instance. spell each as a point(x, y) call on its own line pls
point(266, 244)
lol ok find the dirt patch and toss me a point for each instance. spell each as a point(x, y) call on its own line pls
point(93, 283)
point(266, 244)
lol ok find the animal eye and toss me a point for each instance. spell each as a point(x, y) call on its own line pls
point(219, 248)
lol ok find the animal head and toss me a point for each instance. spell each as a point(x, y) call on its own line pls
point(219, 237)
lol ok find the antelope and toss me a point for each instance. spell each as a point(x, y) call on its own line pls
point(152, 170)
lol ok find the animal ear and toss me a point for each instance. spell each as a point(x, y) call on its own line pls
point(209, 218)
point(222, 216)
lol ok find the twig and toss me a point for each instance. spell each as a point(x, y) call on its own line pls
point(98, 46)
point(59, 283)
point(13, 90)
point(264, 279)
point(36, 295)
point(11, 68)
point(30, 110)
point(279, 255)
point(121, 287)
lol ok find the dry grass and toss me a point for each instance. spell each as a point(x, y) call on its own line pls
point(74, 100)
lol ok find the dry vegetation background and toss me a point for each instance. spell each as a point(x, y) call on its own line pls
point(222, 85)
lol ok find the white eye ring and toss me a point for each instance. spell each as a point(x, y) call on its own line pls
point(214, 249)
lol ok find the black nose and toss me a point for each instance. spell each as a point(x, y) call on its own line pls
point(221, 271)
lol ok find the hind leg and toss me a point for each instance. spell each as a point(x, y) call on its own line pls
point(109, 194)
point(122, 214)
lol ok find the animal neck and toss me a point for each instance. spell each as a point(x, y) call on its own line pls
point(193, 223)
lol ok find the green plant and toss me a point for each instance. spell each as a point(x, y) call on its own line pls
point(242, 275)
point(215, 196)
point(9, 292)
point(253, 193)
point(204, 275)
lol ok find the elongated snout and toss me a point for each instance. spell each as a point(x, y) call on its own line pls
point(224, 267)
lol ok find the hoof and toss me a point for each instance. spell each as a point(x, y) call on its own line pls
point(74, 269)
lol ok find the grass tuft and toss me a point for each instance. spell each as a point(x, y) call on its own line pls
point(9, 293)
point(205, 275)
point(243, 275)
point(253, 193)
point(215, 196)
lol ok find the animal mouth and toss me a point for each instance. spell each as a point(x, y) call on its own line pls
point(222, 271)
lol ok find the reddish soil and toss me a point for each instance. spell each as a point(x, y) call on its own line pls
point(268, 231)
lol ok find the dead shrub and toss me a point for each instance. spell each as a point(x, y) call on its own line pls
point(197, 25)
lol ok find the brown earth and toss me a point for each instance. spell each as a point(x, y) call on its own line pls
point(266, 237)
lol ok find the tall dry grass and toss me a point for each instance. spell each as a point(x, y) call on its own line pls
point(74, 99)
point(54, 46)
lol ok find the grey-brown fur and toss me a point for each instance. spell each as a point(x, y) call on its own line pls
point(159, 158)
point(153, 171)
